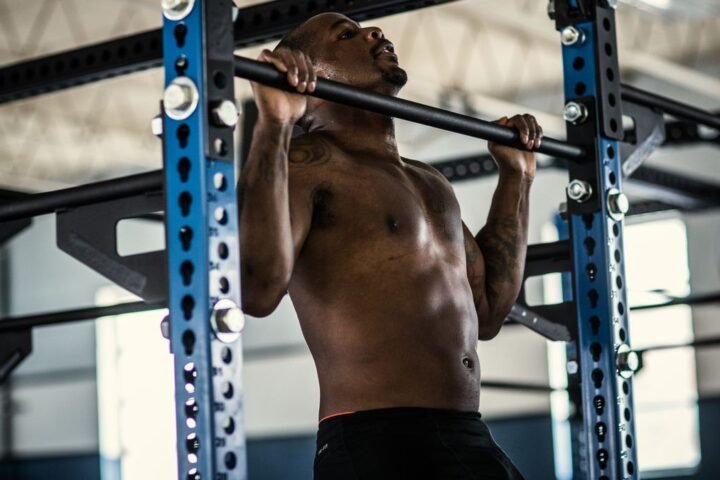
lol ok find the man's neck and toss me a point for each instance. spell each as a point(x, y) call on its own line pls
point(356, 130)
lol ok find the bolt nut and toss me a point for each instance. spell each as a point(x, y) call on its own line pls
point(165, 327)
point(627, 361)
point(157, 126)
point(225, 114)
point(227, 320)
point(177, 9)
point(579, 191)
point(571, 35)
point(572, 367)
point(575, 113)
point(618, 204)
point(180, 98)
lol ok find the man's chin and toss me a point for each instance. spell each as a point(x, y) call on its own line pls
point(396, 76)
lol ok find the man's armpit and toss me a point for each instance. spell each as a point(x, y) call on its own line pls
point(475, 263)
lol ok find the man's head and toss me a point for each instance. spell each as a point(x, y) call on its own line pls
point(342, 50)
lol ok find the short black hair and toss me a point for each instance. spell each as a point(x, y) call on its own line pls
point(296, 39)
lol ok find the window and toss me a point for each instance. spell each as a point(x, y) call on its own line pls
point(135, 394)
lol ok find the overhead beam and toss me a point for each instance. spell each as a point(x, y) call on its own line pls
point(254, 24)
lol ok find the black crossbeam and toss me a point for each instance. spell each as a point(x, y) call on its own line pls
point(254, 24)
point(50, 202)
point(404, 109)
point(672, 107)
point(66, 316)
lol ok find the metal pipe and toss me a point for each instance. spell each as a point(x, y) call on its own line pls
point(67, 316)
point(404, 109)
point(677, 109)
point(49, 202)
point(701, 299)
point(549, 251)
point(518, 386)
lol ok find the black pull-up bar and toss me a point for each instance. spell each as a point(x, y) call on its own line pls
point(404, 109)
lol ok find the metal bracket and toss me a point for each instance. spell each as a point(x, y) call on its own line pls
point(14, 348)
point(644, 139)
point(88, 234)
point(551, 329)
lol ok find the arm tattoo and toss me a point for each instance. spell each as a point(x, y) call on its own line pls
point(309, 154)
point(501, 243)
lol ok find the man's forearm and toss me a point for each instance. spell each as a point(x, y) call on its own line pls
point(265, 230)
point(503, 242)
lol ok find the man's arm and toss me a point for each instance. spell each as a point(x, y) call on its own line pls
point(274, 216)
point(502, 241)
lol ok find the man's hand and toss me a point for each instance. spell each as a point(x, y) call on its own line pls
point(511, 159)
point(281, 107)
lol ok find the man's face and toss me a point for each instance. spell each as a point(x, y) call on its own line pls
point(346, 52)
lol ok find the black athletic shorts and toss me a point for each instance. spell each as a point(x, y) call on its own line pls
point(409, 444)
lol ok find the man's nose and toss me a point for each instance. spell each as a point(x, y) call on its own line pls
point(373, 34)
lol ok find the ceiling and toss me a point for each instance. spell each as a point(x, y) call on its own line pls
point(487, 57)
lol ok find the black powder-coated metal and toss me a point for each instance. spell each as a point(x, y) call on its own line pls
point(49, 202)
point(677, 109)
point(404, 109)
point(254, 24)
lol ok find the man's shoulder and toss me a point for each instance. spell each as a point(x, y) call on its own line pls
point(427, 168)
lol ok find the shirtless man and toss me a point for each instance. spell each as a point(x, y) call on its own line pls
point(391, 288)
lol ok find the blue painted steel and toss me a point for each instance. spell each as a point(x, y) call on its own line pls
point(598, 286)
point(203, 267)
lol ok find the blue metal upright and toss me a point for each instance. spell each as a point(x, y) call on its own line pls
point(199, 116)
point(600, 362)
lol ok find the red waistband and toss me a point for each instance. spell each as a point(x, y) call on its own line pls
point(335, 415)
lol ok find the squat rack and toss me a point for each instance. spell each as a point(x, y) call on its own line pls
point(197, 187)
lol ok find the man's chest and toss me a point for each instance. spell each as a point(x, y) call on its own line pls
point(385, 202)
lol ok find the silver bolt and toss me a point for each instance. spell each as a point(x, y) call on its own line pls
point(571, 35)
point(177, 9)
point(157, 126)
point(572, 367)
point(627, 361)
point(618, 204)
point(165, 327)
point(551, 9)
point(180, 98)
point(227, 320)
point(579, 191)
point(575, 112)
point(225, 114)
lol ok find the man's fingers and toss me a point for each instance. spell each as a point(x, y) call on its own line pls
point(312, 75)
point(302, 73)
point(270, 57)
point(532, 130)
point(519, 122)
point(292, 68)
point(538, 139)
